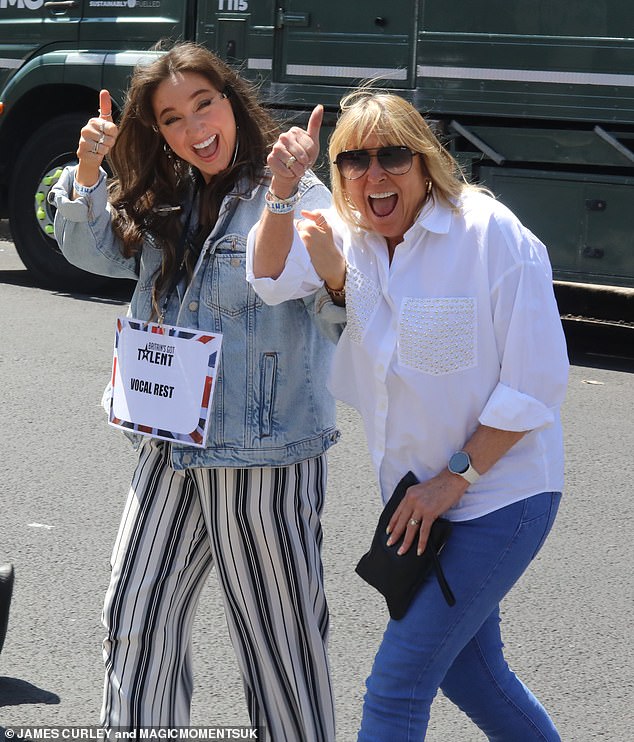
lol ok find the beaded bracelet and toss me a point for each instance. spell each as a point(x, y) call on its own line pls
point(84, 190)
point(277, 205)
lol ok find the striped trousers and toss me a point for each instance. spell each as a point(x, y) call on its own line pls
point(261, 529)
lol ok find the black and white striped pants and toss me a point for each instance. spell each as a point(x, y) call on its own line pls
point(261, 529)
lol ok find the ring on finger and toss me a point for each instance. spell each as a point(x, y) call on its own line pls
point(414, 522)
point(102, 138)
point(95, 148)
point(290, 162)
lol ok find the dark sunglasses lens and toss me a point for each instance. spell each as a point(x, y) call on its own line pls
point(353, 164)
point(396, 160)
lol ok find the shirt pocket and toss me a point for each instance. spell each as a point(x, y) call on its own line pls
point(438, 335)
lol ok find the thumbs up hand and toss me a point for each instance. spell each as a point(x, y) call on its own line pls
point(95, 141)
point(295, 151)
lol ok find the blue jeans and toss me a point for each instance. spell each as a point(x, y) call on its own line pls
point(459, 649)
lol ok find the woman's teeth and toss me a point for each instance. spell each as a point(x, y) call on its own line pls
point(206, 143)
point(382, 195)
point(383, 204)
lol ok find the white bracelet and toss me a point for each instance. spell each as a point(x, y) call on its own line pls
point(84, 190)
point(277, 205)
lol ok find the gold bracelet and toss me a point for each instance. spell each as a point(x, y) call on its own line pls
point(338, 293)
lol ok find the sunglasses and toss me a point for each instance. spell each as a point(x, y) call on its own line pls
point(354, 163)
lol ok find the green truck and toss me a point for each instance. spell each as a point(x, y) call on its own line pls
point(535, 99)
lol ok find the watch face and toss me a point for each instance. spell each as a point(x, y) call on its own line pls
point(459, 463)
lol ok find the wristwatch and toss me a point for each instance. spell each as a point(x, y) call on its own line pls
point(460, 463)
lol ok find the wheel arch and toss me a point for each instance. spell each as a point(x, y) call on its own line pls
point(54, 83)
point(30, 113)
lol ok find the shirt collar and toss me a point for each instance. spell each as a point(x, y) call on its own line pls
point(434, 217)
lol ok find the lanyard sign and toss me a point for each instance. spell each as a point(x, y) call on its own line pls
point(163, 379)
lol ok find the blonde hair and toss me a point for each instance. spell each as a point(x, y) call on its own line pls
point(393, 121)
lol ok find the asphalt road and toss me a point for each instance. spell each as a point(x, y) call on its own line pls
point(64, 474)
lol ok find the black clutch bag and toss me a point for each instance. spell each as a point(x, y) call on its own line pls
point(398, 578)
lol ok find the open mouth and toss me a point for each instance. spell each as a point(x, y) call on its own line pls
point(207, 148)
point(383, 204)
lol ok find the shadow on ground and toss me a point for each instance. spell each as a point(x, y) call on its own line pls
point(15, 692)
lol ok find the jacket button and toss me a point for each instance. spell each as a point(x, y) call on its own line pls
point(187, 459)
point(192, 306)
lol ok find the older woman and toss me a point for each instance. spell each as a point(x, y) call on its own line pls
point(189, 156)
point(455, 357)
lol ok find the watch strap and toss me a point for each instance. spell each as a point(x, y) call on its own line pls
point(470, 474)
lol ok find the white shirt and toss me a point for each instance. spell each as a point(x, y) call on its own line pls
point(461, 328)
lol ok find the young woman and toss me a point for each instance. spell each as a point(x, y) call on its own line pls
point(189, 159)
point(455, 357)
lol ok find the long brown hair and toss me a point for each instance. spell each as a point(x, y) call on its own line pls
point(148, 175)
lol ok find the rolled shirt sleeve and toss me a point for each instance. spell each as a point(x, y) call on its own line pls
point(532, 348)
point(508, 409)
point(297, 280)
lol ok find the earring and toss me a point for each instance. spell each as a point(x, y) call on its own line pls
point(169, 153)
point(235, 149)
point(429, 187)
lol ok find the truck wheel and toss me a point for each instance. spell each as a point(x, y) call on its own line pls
point(38, 167)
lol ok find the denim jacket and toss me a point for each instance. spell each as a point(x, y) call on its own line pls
point(270, 405)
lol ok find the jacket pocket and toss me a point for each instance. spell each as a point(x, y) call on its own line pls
point(267, 392)
point(438, 335)
point(225, 288)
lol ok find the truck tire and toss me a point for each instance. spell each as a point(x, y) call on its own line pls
point(45, 154)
